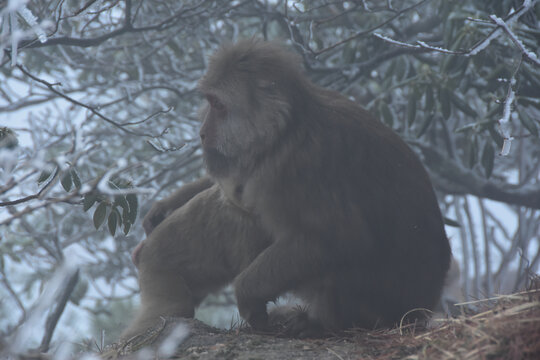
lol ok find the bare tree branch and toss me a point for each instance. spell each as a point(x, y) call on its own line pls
point(454, 179)
point(58, 309)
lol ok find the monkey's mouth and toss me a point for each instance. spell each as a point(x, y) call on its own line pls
point(213, 153)
point(216, 162)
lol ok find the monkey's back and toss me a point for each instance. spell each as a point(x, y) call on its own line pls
point(356, 188)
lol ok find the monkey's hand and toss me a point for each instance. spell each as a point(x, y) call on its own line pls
point(281, 267)
point(255, 314)
point(252, 310)
point(295, 323)
point(155, 216)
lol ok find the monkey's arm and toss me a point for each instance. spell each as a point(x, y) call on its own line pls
point(162, 208)
point(283, 266)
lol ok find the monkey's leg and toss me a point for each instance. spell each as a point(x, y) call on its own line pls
point(162, 294)
point(345, 298)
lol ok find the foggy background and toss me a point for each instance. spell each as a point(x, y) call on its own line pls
point(98, 119)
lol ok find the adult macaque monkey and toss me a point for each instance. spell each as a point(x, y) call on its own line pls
point(355, 225)
point(312, 196)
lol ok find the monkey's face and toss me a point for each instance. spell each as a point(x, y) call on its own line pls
point(249, 93)
point(239, 123)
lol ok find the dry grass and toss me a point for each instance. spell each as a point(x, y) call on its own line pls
point(505, 327)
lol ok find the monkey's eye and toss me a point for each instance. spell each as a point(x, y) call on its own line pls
point(215, 103)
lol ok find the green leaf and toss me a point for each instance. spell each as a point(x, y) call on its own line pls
point(496, 136)
point(45, 174)
point(112, 222)
point(89, 200)
point(451, 222)
point(386, 113)
point(67, 181)
point(8, 138)
point(453, 62)
point(472, 152)
point(494, 112)
point(462, 105)
point(99, 214)
point(76, 178)
point(444, 99)
point(127, 226)
point(506, 5)
point(527, 122)
point(349, 53)
point(488, 158)
point(401, 68)
point(430, 101)
point(120, 200)
point(466, 128)
point(411, 107)
point(449, 25)
point(529, 101)
point(425, 125)
point(133, 207)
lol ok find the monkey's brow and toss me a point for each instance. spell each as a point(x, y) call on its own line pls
point(200, 91)
point(210, 95)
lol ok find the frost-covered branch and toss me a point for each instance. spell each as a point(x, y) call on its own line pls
point(363, 32)
point(11, 28)
point(504, 121)
point(421, 45)
point(44, 204)
point(31, 20)
point(54, 296)
point(435, 48)
point(104, 183)
point(526, 52)
point(92, 109)
point(164, 24)
point(501, 26)
point(395, 42)
point(483, 44)
point(64, 292)
point(37, 195)
point(12, 292)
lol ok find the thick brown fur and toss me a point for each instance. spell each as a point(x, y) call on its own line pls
point(197, 249)
point(313, 196)
point(355, 225)
point(163, 208)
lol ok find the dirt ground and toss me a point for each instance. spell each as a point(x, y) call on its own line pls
point(204, 342)
point(505, 327)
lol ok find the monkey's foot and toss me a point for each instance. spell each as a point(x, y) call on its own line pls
point(295, 323)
